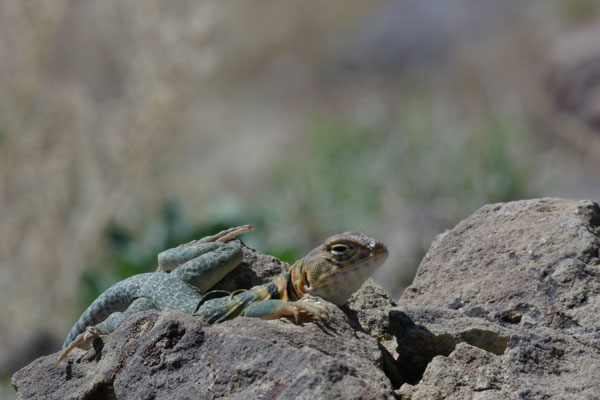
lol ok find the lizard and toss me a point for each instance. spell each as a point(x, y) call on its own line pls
point(332, 271)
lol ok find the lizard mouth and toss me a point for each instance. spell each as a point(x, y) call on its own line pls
point(340, 285)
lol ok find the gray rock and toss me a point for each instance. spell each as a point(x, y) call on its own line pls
point(173, 355)
point(505, 305)
point(426, 332)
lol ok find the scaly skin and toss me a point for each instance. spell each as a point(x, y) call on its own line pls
point(332, 271)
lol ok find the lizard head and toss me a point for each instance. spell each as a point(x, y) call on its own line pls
point(338, 267)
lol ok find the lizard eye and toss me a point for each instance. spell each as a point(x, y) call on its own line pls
point(339, 249)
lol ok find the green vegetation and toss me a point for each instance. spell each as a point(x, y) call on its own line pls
point(578, 11)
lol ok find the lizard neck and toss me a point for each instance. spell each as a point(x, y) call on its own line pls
point(297, 281)
point(289, 286)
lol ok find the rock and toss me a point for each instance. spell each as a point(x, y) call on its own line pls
point(506, 305)
point(465, 373)
point(370, 307)
point(532, 262)
point(426, 332)
point(173, 355)
point(170, 354)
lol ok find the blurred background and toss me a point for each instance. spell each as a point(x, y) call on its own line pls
point(130, 127)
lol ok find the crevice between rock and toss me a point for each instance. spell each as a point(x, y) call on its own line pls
point(423, 333)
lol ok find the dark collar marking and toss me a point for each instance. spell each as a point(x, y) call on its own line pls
point(288, 287)
point(273, 291)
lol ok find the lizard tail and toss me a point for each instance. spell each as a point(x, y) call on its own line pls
point(116, 298)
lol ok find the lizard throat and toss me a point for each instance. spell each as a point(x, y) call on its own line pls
point(339, 286)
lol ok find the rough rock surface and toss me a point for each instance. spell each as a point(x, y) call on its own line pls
point(172, 355)
point(506, 306)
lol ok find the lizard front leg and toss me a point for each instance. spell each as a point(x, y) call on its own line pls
point(300, 310)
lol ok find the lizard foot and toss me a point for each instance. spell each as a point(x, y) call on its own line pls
point(303, 310)
point(230, 234)
point(84, 338)
point(224, 236)
point(312, 308)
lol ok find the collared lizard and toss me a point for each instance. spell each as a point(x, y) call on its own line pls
point(185, 274)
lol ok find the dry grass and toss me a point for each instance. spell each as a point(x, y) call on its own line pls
point(99, 121)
